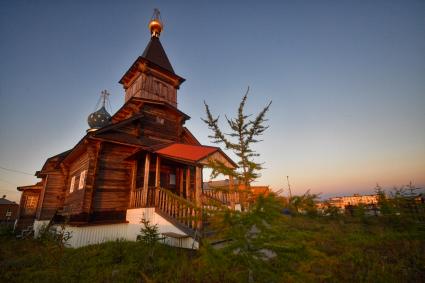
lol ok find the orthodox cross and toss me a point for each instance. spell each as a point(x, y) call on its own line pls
point(104, 96)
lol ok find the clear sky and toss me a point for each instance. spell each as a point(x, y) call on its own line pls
point(347, 80)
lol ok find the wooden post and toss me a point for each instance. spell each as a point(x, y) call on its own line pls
point(41, 199)
point(198, 184)
point(133, 184)
point(188, 182)
point(232, 192)
point(158, 172)
point(157, 175)
point(146, 178)
point(181, 176)
point(91, 178)
point(198, 192)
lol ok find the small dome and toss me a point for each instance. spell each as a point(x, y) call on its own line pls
point(155, 26)
point(99, 119)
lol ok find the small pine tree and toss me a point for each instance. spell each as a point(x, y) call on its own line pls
point(149, 234)
point(244, 133)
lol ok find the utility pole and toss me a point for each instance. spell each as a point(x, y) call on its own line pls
point(289, 188)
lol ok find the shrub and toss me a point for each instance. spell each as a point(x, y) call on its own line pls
point(149, 234)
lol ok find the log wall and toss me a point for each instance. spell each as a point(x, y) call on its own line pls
point(160, 123)
point(74, 200)
point(113, 183)
point(150, 87)
point(53, 195)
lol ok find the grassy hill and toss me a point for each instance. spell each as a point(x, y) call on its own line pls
point(267, 246)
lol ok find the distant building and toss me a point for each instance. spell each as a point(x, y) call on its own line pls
point(8, 210)
point(355, 200)
point(254, 192)
point(28, 204)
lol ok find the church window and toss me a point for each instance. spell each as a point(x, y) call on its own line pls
point(172, 179)
point(31, 202)
point(71, 187)
point(82, 180)
point(160, 120)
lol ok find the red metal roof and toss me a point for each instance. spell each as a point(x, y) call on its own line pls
point(187, 152)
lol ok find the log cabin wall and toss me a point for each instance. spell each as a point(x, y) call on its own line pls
point(151, 87)
point(52, 195)
point(93, 151)
point(27, 208)
point(74, 193)
point(113, 183)
point(129, 129)
point(160, 123)
point(29, 203)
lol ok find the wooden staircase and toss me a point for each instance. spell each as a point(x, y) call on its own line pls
point(185, 215)
point(182, 213)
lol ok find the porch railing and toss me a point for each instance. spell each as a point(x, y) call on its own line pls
point(178, 208)
point(223, 196)
point(137, 198)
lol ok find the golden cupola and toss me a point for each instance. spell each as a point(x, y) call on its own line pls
point(155, 25)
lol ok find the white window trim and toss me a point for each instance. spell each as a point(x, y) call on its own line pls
point(71, 187)
point(82, 179)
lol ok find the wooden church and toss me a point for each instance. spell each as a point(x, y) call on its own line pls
point(141, 162)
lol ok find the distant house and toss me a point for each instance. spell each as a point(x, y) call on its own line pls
point(141, 162)
point(354, 200)
point(214, 187)
point(8, 211)
point(28, 205)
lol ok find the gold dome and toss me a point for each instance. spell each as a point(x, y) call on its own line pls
point(155, 26)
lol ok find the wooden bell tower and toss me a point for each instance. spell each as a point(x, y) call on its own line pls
point(151, 76)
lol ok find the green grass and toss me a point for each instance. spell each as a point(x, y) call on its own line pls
point(307, 249)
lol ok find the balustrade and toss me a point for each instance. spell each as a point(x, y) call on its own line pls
point(137, 198)
point(178, 208)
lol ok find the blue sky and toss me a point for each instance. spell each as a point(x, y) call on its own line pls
point(346, 79)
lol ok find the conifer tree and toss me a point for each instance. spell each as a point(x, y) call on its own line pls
point(244, 133)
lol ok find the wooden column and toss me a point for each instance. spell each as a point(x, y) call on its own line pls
point(146, 178)
point(133, 184)
point(41, 199)
point(158, 172)
point(188, 183)
point(232, 193)
point(181, 176)
point(198, 192)
point(198, 185)
point(134, 176)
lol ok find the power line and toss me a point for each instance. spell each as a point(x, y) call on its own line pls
point(15, 171)
point(8, 190)
point(6, 181)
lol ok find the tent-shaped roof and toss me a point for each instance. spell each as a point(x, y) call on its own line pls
point(156, 58)
point(154, 53)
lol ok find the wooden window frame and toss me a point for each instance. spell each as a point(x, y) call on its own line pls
point(72, 185)
point(82, 180)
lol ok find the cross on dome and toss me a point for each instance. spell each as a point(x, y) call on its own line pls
point(155, 25)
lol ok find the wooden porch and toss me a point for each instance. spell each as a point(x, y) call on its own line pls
point(174, 189)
